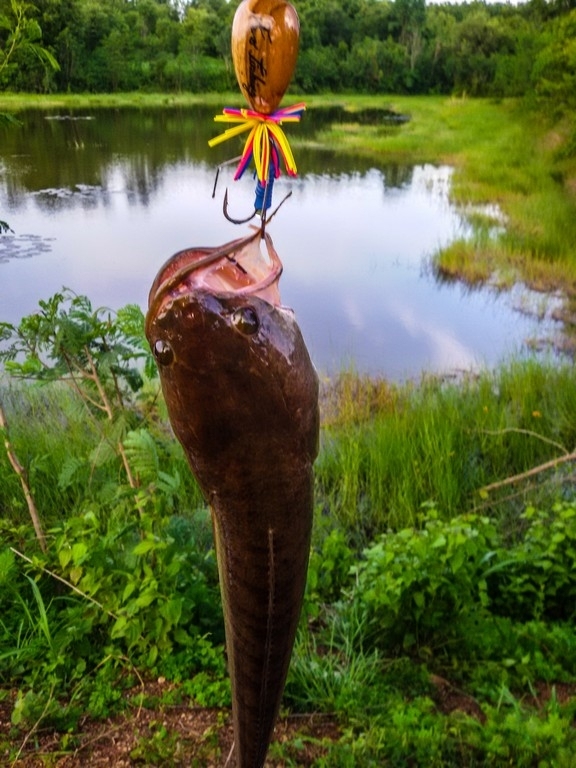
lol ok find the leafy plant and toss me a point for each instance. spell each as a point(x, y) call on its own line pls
point(536, 579)
point(328, 573)
point(160, 748)
point(94, 352)
point(410, 581)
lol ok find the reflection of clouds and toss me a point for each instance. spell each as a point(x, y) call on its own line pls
point(407, 317)
point(433, 180)
point(353, 313)
point(411, 327)
point(445, 350)
point(342, 228)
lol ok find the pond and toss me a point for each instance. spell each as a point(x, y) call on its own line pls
point(98, 200)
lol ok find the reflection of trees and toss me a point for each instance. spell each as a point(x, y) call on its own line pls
point(86, 197)
point(396, 175)
point(74, 161)
point(62, 153)
point(70, 160)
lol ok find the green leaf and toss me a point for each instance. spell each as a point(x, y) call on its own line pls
point(119, 627)
point(129, 590)
point(76, 574)
point(7, 566)
point(152, 655)
point(79, 551)
point(144, 546)
point(146, 598)
point(171, 610)
point(70, 468)
point(103, 454)
point(64, 556)
point(418, 598)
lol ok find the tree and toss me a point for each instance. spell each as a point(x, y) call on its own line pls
point(411, 16)
point(21, 35)
point(555, 67)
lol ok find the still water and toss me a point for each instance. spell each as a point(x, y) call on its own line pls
point(99, 200)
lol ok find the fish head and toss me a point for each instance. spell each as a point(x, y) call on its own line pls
point(232, 361)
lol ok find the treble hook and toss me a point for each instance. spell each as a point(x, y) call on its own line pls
point(262, 200)
point(263, 213)
point(227, 215)
point(265, 218)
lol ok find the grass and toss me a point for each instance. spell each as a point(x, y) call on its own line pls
point(387, 450)
point(442, 442)
point(64, 455)
point(15, 102)
point(406, 588)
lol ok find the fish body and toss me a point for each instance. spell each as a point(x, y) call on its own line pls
point(242, 396)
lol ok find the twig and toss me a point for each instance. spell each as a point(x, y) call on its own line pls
point(528, 432)
point(64, 581)
point(34, 727)
point(96, 379)
point(490, 501)
point(230, 754)
point(21, 472)
point(530, 472)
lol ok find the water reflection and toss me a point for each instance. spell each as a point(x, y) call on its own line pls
point(107, 198)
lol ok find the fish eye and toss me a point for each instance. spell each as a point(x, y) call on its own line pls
point(246, 320)
point(163, 352)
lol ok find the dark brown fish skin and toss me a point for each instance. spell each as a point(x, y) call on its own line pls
point(244, 405)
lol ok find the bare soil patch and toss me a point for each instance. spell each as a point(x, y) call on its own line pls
point(172, 736)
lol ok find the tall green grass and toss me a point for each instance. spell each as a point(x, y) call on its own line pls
point(441, 442)
point(386, 451)
point(66, 456)
point(47, 428)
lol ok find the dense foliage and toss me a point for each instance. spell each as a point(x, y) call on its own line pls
point(449, 581)
point(369, 46)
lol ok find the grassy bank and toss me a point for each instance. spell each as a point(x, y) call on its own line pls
point(392, 451)
point(15, 102)
point(430, 598)
point(388, 452)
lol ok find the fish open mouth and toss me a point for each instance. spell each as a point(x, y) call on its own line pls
point(241, 267)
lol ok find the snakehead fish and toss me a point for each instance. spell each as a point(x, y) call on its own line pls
point(242, 397)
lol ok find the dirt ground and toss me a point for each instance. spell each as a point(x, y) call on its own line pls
point(171, 736)
point(174, 736)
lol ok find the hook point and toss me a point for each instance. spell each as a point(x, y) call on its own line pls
point(227, 215)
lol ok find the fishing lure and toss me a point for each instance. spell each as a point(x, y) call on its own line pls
point(265, 37)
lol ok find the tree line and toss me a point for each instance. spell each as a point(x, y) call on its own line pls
point(367, 46)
